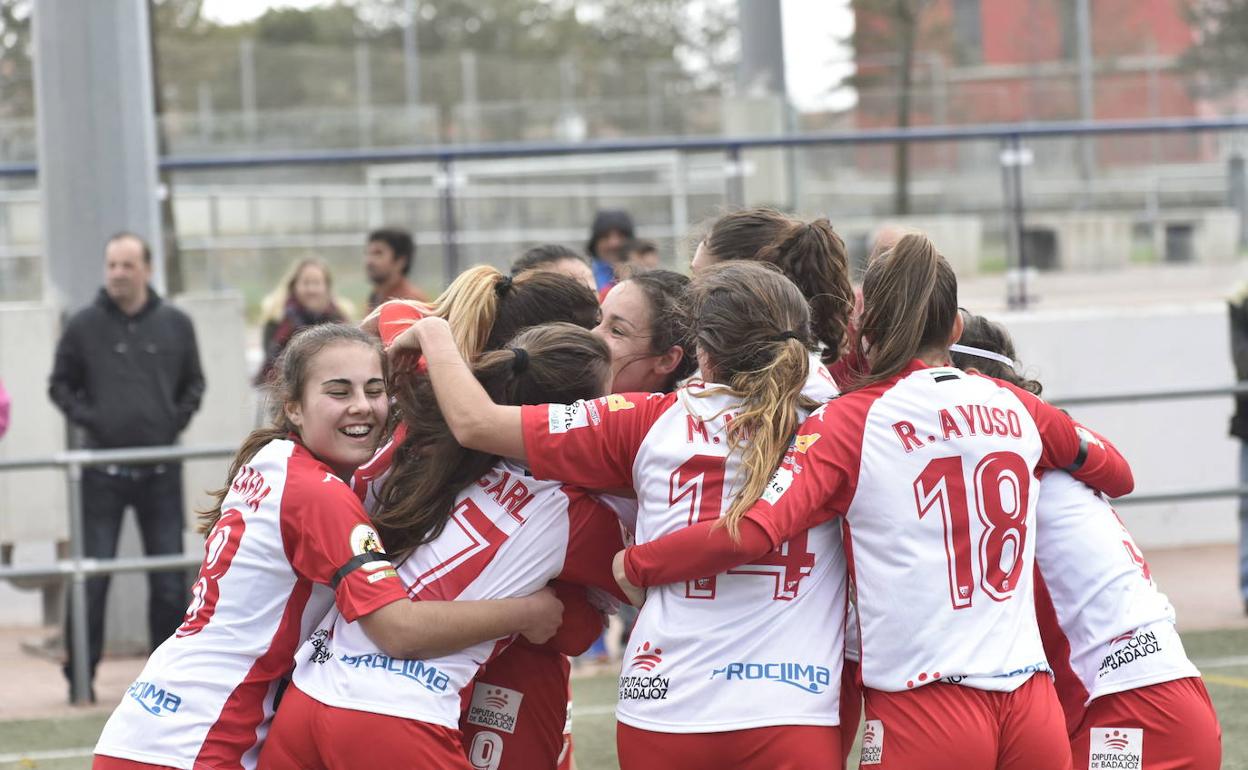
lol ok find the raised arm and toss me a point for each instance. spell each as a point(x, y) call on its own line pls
point(473, 417)
point(430, 629)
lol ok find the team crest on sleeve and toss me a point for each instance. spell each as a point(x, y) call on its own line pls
point(1116, 748)
point(872, 743)
point(802, 443)
point(364, 539)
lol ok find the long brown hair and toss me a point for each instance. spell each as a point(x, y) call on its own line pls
point(753, 325)
point(486, 308)
point(290, 377)
point(810, 254)
point(910, 303)
point(979, 332)
point(557, 362)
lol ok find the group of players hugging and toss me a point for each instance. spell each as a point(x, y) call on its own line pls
point(826, 506)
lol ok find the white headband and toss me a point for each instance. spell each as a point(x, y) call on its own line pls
point(981, 353)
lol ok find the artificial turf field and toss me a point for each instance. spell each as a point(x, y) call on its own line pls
point(64, 743)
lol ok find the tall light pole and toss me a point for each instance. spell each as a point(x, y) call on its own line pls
point(1083, 26)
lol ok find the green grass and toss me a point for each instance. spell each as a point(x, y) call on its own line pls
point(594, 721)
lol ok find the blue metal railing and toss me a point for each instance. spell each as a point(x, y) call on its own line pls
point(1010, 135)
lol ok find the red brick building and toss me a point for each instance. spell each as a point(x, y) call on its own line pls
point(1005, 61)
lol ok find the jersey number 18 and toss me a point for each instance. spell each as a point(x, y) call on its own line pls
point(1001, 484)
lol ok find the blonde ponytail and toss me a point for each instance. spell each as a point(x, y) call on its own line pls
point(753, 324)
point(766, 423)
point(485, 308)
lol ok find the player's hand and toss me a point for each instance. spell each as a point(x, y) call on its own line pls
point(636, 595)
point(411, 340)
point(544, 617)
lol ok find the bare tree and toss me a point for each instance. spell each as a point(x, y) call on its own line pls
point(890, 30)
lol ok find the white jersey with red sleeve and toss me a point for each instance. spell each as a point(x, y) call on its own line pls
point(1118, 627)
point(508, 535)
point(935, 473)
point(758, 646)
point(292, 542)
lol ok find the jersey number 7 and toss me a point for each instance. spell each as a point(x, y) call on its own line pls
point(699, 483)
point(1002, 483)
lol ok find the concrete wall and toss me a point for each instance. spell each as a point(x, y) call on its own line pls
point(1171, 445)
point(32, 503)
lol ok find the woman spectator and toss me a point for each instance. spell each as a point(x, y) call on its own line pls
point(304, 298)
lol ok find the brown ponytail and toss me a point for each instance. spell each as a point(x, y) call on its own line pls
point(485, 308)
point(290, 376)
point(753, 325)
point(810, 254)
point(557, 362)
point(910, 303)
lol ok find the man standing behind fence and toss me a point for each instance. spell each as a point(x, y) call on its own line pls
point(127, 374)
point(388, 260)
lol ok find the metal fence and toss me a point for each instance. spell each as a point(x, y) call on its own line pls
point(1010, 177)
point(77, 568)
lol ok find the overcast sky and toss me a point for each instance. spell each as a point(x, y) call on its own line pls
point(813, 59)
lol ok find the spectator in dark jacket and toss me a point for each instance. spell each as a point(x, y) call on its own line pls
point(304, 298)
point(127, 374)
point(1239, 425)
point(612, 228)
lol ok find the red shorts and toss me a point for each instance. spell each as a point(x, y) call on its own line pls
point(102, 762)
point(851, 708)
point(1162, 726)
point(948, 727)
point(308, 735)
point(785, 747)
point(516, 711)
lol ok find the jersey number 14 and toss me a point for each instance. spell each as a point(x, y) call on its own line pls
point(699, 483)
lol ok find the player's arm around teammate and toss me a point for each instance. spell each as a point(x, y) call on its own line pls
point(286, 541)
point(932, 641)
point(467, 526)
point(722, 437)
point(1125, 683)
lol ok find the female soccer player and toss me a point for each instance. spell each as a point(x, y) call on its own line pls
point(1124, 681)
point(813, 256)
point(286, 541)
point(466, 526)
point(810, 254)
point(734, 670)
point(944, 596)
point(485, 309)
point(641, 325)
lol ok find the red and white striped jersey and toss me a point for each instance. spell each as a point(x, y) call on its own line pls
point(935, 473)
point(508, 535)
point(292, 542)
point(757, 646)
point(1113, 629)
